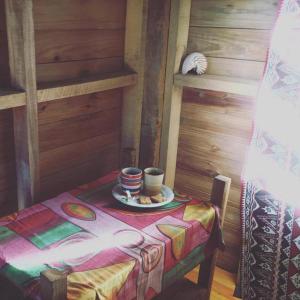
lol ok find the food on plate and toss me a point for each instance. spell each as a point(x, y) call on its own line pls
point(158, 198)
point(145, 200)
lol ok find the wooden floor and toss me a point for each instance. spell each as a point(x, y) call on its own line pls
point(223, 287)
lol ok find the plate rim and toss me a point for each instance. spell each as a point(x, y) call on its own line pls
point(138, 205)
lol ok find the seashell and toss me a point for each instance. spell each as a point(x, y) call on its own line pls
point(194, 61)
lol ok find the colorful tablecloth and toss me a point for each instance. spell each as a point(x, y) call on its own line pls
point(108, 250)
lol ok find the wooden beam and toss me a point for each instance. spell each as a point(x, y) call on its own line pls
point(21, 44)
point(136, 20)
point(217, 83)
point(53, 285)
point(154, 84)
point(60, 90)
point(178, 37)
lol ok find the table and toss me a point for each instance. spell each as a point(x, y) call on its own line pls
point(106, 249)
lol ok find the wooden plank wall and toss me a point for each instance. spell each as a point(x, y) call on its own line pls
point(216, 127)
point(79, 137)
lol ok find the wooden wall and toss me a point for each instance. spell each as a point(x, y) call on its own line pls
point(79, 137)
point(216, 127)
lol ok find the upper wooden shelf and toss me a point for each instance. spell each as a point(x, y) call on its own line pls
point(218, 83)
point(65, 89)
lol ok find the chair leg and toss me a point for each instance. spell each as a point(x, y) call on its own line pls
point(206, 275)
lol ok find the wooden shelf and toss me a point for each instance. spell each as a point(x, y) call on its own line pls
point(218, 83)
point(10, 99)
point(61, 90)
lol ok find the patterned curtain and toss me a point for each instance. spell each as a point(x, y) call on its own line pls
point(270, 265)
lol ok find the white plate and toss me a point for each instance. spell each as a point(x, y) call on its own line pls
point(118, 194)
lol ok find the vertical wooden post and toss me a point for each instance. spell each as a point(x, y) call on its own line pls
point(219, 197)
point(136, 20)
point(21, 44)
point(154, 83)
point(178, 37)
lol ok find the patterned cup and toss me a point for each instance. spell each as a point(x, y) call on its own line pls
point(131, 180)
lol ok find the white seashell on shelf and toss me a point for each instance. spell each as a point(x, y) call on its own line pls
point(194, 61)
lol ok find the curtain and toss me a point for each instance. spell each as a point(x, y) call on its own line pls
point(270, 205)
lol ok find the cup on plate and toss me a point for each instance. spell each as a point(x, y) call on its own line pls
point(153, 180)
point(131, 180)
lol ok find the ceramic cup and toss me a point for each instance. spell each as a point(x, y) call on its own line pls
point(153, 179)
point(131, 180)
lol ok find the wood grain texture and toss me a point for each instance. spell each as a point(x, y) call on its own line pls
point(217, 83)
point(54, 111)
point(177, 42)
point(79, 69)
point(68, 156)
point(246, 14)
point(64, 45)
point(4, 65)
point(134, 58)
point(252, 70)
point(89, 85)
point(236, 43)
point(222, 288)
point(71, 159)
point(20, 31)
point(83, 172)
point(214, 135)
point(155, 71)
point(68, 89)
point(53, 285)
point(10, 99)
point(61, 133)
point(78, 14)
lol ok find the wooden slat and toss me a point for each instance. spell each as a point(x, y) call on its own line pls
point(214, 136)
point(246, 44)
point(59, 45)
point(54, 91)
point(218, 83)
point(21, 40)
point(8, 201)
point(7, 151)
point(69, 178)
point(218, 102)
point(254, 14)
point(71, 155)
point(155, 71)
point(78, 14)
point(4, 66)
point(62, 71)
point(136, 23)
point(57, 134)
point(178, 35)
point(74, 107)
point(251, 70)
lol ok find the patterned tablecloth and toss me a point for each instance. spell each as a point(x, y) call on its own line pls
point(108, 250)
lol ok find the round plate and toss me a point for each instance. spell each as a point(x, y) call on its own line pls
point(166, 192)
